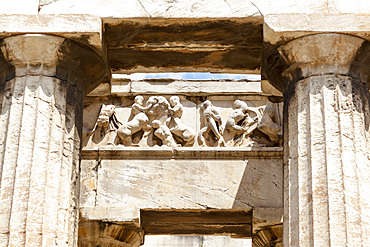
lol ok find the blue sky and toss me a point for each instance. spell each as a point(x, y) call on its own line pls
point(192, 76)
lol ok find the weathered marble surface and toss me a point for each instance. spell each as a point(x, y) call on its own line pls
point(147, 8)
point(43, 79)
point(182, 8)
point(85, 29)
point(176, 121)
point(125, 87)
point(176, 183)
point(326, 138)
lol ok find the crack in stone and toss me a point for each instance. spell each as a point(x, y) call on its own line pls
point(41, 5)
point(231, 9)
point(256, 8)
point(142, 5)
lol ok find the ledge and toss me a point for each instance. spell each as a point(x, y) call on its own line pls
point(181, 153)
point(123, 87)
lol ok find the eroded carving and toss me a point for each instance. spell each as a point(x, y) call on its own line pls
point(105, 129)
point(210, 134)
point(164, 134)
point(167, 127)
point(252, 126)
point(240, 125)
point(267, 124)
point(158, 122)
point(154, 123)
point(183, 134)
point(132, 132)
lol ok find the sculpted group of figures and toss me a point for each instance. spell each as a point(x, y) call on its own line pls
point(157, 122)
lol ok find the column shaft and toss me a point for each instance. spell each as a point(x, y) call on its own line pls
point(327, 139)
point(39, 147)
point(41, 97)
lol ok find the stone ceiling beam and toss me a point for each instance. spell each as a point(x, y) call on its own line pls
point(226, 45)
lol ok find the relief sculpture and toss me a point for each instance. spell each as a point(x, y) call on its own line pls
point(267, 124)
point(252, 126)
point(132, 132)
point(158, 123)
point(211, 133)
point(183, 134)
point(105, 129)
point(240, 125)
point(155, 123)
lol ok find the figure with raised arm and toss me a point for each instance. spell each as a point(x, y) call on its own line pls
point(138, 123)
point(182, 133)
point(239, 124)
point(212, 125)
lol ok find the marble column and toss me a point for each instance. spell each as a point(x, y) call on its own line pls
point(326, 138)
point(42, 82)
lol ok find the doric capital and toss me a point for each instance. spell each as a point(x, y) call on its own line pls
point(48, 55)
point(318, 54)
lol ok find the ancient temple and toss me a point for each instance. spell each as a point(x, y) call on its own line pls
point(91, 155)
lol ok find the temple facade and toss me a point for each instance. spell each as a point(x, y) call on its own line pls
point(91, 155)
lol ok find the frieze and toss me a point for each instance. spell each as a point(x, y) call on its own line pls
point(164, 121)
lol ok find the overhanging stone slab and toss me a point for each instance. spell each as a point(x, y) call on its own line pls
point(237, 223)
point(281, 28)
point(85, 29)
point(178, 45)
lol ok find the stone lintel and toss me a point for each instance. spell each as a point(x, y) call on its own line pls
point(266, 216)
point(84, 29)
point(121, 86)
point(188, 87)
point(147, 9)
point(181, 153)
point(281, 28)
point(263, 217)
point(237, 223)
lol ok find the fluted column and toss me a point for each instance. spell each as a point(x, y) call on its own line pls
point(326, 139)
point(42, 82)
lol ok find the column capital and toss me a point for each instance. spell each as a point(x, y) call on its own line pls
point(299, 45)
point(318, 54)
point(49, 55)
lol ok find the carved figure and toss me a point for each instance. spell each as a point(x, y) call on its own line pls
point(164, 134)
point(212, 125)
point(181, 132)
point(105, 129)
point(160, 108)
point(262, 129)
point(268, 126)
point(239, 124)
point(138, 123)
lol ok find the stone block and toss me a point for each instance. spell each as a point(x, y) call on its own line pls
point(167, 183)
point(145, 8)
point(123, 87)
